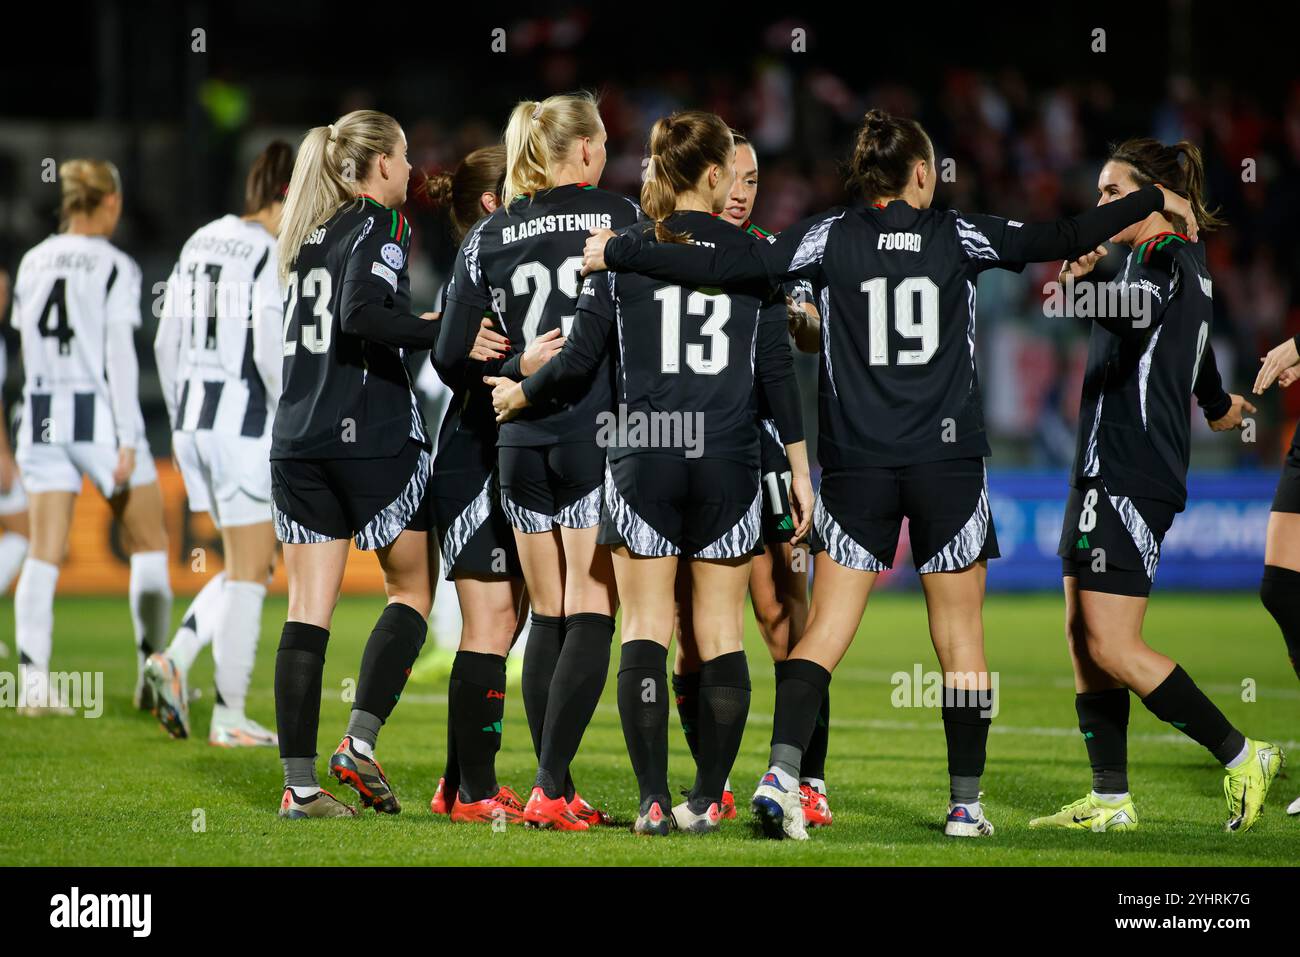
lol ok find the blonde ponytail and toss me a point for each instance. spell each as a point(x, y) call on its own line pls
point(331, 163)
point(84, 183)
point(538, 136)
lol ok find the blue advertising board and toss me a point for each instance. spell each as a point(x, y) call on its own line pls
point(1216, 543)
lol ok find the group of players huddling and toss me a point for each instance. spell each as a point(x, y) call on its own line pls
point(624, 429)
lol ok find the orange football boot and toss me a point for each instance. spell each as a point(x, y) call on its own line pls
point(542, 811)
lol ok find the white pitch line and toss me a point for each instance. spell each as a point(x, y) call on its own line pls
point(881, 724)
point(874, 676)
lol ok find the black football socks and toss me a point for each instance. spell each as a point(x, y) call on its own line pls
point(575, 691)
point(1280, 593)
point(800, 686)
point(545, 638)
point(686, 694)
point(476, 701)
point(1103, 722)
point(967, 714)
point(299, 664)
point(814, 758)
point(1178, 701)
point(386, 662)
point(724, 694)
point(643, 710)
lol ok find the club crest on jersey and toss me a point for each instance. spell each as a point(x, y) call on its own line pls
point(384, 273)
point(393, 255)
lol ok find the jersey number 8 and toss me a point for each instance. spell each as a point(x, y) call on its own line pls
point(319, 287)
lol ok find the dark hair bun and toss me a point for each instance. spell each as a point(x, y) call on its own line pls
point(437, 190)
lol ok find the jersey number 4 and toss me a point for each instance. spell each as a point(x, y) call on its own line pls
point(315, 335)
point(53, 322)
point(906, 322)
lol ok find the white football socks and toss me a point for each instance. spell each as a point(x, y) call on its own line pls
point(34, 612)
point(150, 593)
point(13, 549)
point(234, 648)
point(198, 624)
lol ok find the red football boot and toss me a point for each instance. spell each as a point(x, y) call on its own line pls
point(816, 807)
point(542, 811)
point(502, 806)
point(439, 804)
point(585, 812)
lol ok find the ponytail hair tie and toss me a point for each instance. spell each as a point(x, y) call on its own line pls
point(334, 134)
point(537, 111)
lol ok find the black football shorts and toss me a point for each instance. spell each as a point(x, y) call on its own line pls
point(1287, 497)
point(1111, 543)
point(547, 485)
point(660, 505)
point(371, 500)
point(859, 515)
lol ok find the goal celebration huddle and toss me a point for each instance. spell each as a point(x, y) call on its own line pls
point(625, 451)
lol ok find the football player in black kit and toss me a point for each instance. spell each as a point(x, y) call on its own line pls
point(477, 546)
point(683, 475)
point(778, 576)
point(1280, 588)
point(901, 424)
point(1128, 482)
point(349, 455)
point(523, 263)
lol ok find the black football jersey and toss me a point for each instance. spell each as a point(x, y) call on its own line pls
point(896, 290)
point(523, 264)
point(347, 319)
point(1142, 371)
point(688, 360)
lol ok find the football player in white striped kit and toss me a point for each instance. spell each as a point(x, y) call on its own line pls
point(76, 307)
point(13, 502)
point(219, 362)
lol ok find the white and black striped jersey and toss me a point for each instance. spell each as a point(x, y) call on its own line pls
point(76, 307)
point(218, 345)
point(686, 357)
point(898, 383)
point(1143, 369)
point(347, 320)
point(523, 263)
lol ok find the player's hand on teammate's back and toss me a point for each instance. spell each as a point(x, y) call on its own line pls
point(1175, 205)
point(1232, 418)
point(593, 253)
point(489, 344)
point(541, 351)
point(1078, 268)
point(508, 398)
point(1280, 359)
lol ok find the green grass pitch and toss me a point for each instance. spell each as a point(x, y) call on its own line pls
point(116, 790)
